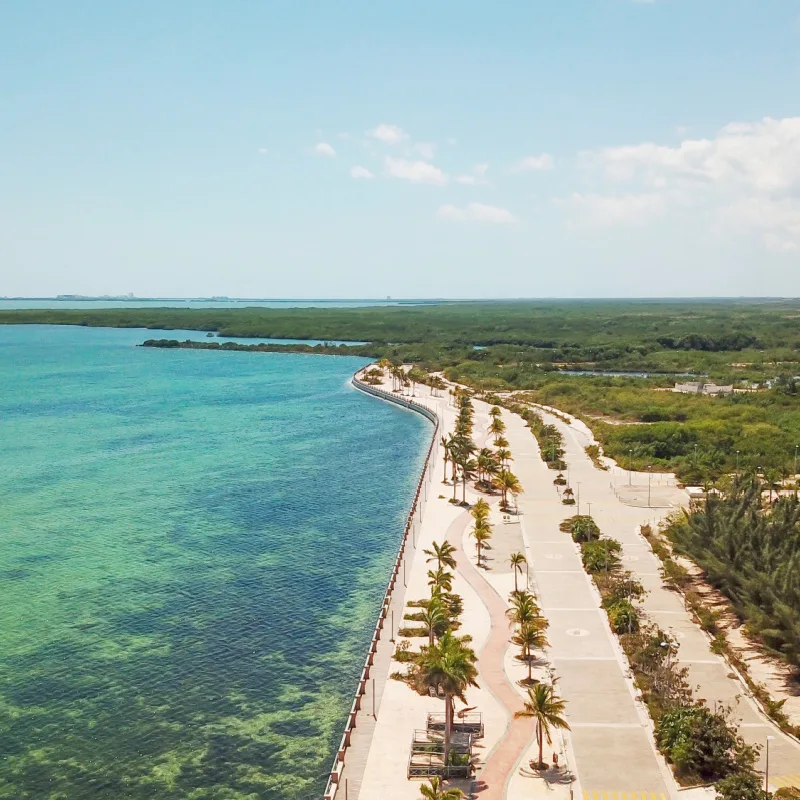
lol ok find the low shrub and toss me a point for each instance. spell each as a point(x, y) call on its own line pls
point(623, 617)
point(601, 555)
point(702, 745)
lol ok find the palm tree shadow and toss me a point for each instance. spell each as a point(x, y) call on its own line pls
point(553, 776)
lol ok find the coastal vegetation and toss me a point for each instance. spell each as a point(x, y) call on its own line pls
point(749, 549)
point(518, 339)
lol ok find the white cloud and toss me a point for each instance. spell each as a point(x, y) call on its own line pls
point(388, 134)
point(361, 173)
point(535, 163)
point(425, 149)
point(477, 212)
point(747, 176)
point(604, 210)
point(414, 171)
point(263, 151)
point(475, 177)
point(324, 149)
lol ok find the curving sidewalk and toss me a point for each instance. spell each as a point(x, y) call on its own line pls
point(514, 743)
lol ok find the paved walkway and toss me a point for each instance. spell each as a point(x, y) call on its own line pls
point(709, 674)
point(518, 735)
point(382, 765)
point(611, 735)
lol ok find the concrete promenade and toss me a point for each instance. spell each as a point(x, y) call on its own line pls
point(710, 676)
point(610, 753)
point(377, 761)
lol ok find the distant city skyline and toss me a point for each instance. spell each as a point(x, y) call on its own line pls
point(610, 148)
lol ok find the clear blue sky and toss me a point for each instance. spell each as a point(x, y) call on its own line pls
point(416, 149)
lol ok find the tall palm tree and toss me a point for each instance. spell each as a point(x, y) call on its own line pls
point(482, 532)
point(524, 610)
point(480, 510)
point(530, 637)
point(441, 580)
point(497, 427)
point(442, 554)
point(500, 442)
point(449, 668)
point(445, 443)
point(436, 791)
point(547, 710)
point(486, 462)
point(495, 412)
point(506, 482)
point(515, 562)
point(436, 618)
point(503, 455)
point(468, 467)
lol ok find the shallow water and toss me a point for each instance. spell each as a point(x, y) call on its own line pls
point(193, 550)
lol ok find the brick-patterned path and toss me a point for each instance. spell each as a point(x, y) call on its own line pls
point(520, 733)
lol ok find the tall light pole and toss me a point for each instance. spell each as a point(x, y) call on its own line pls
point(630, 464)
point(737, 462)
point(649, 475)
point(766, 771)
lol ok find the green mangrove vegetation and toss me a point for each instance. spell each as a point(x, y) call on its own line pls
point(750, 551)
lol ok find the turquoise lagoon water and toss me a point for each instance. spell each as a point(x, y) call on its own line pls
point(193, 549)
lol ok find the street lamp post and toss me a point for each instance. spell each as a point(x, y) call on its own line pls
point(630, 464)
point(737, 462)
point(766, 771)
point(649, 476)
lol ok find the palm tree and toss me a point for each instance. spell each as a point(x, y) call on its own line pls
point(449, 668)
point(497, 427)
point(525, 611)
point(530, 637)
point(515, 562)
point(445, 443)
point(504, 456)
point(442, 554)
point(486, 463)
point(495, 412)
point(436, 791)
point(441, 580)
point(468, 467)
point(482, 532)
point(506, 482)
point(480, 510)
point(436, 618)
point(500, 442)
point(547, 710)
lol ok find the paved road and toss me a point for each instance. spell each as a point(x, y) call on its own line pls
point(610, 735)
point(707, 671)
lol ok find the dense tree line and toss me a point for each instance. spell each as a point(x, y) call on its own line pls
point(750, 551)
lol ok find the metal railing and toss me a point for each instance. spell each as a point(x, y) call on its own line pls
point(417, 505)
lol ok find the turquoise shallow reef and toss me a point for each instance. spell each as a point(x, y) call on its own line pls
point(193, 550)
